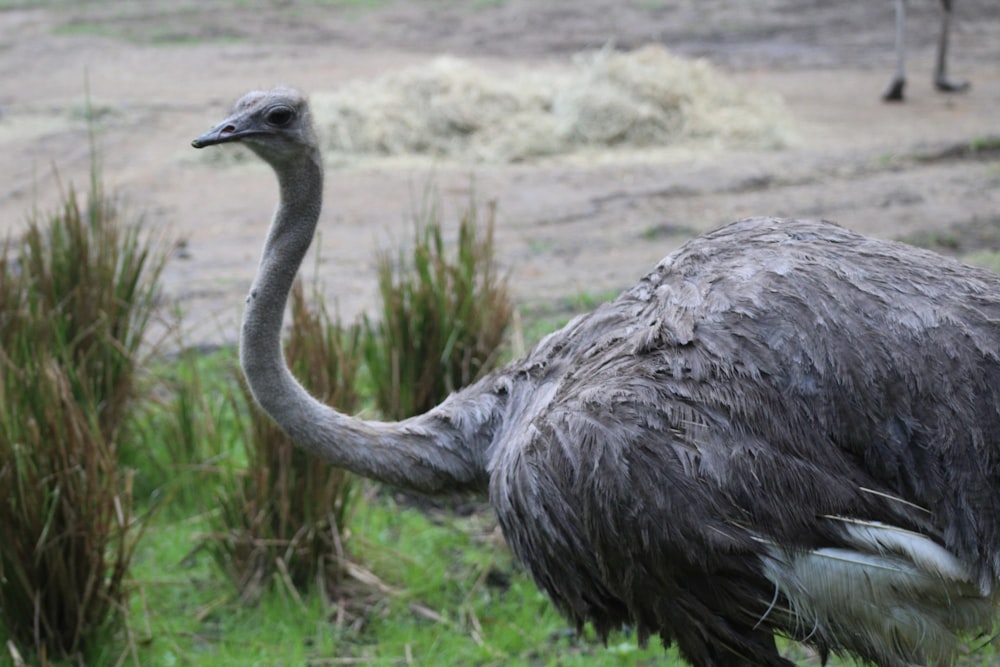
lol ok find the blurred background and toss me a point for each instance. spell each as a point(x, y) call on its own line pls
point(594, 181)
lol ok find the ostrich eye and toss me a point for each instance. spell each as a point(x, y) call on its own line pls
point(280, 116)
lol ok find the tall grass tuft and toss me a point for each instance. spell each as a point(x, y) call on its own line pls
point(443, 320)
point(75, 300)
point(190, 415)
point(285, 516)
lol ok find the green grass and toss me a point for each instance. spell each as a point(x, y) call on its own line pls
point(191, 415)
point(184, 613)
point(540, 319)
point(984, 144)
point(421, 585)
point(283, 515)
point(447, 592)
point(77, 292)
point(987, 259)
point(429, 587)
point(462, 599)
point(444, 314)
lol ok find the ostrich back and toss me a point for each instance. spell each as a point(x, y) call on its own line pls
point(785, 427)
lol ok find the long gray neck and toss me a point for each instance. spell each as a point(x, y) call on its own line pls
point(441, 451)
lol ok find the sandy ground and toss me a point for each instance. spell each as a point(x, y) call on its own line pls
point(161, 72)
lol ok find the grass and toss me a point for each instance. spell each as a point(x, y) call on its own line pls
point(432, 588)
point(76, 293)
point(543, 318)
point(284, 515)
point(987, 259)
point(418, 587)
point(984, 144)
point(443, 319)
point(189, 413)
point(421, 586)
point(184, 613)
point(435, 590)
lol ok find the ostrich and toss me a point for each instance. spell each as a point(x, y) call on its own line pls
point(785, 428)
point(894, 93)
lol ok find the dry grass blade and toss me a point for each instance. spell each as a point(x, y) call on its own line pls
point(15, 655)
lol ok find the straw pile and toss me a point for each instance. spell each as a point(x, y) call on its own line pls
point(641, 99)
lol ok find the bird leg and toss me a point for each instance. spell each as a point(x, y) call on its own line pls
point(941, 80)
point(894, 92)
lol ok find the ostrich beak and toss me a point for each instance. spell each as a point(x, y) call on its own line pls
point(226, 131)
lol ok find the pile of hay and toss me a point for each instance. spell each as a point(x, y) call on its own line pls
point(642, 99)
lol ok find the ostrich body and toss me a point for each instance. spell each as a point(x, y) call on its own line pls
point(894, 93)
point(785, 428)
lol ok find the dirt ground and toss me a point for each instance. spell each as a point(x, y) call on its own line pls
point(161, 72)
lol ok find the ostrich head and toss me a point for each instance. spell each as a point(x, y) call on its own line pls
point(275, 124)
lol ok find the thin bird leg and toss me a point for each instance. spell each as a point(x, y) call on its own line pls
point(941, 80)
point(894, 92)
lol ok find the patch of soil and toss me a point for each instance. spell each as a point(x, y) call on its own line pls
point(160, 72)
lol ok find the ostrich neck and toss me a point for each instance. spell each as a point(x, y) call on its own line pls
point(441, 451)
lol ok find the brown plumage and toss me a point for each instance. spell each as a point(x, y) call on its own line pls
point(786, 428)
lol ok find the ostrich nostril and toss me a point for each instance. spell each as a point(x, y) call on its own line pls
point(216, 135)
